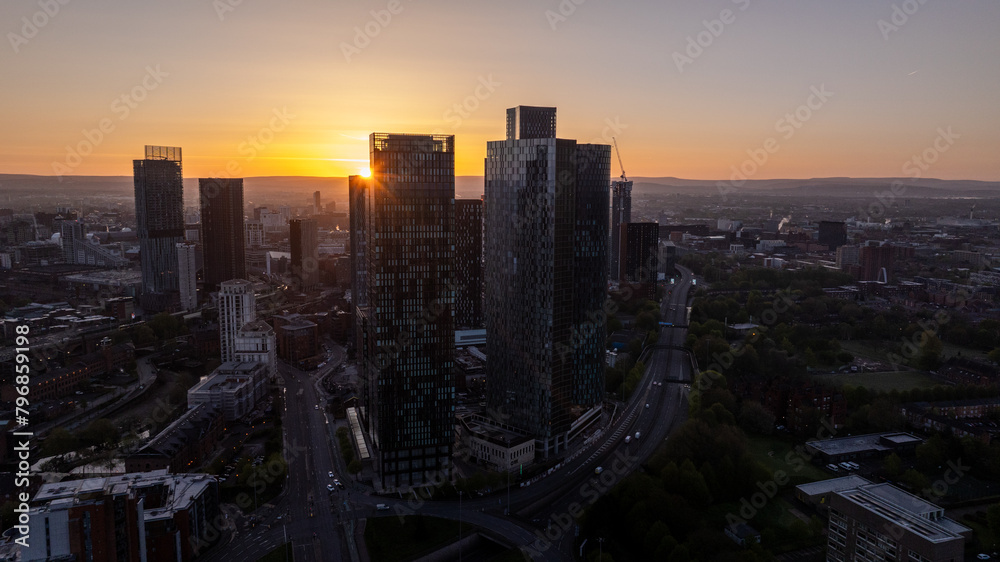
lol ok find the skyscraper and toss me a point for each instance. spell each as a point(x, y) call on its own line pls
point(357, 187)
point(305, 253)
point(406, 328)
point(639, 257)
point(222, 230)
point(317, 206)
point(546, 229)
point(159, 213)
point(621, 213)
point(469, 263)
point(237, 306)
point(187, 270)
point(70, 233)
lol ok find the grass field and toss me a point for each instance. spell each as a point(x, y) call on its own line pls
point(772, 454)
point(887, 381)
point(879, 349)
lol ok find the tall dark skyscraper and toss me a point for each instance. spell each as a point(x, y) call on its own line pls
point(546, 229)
point(357, 187)
point(833, 234)
point(406, 327)
point(640, 246)
point(159, 213)
point(222, 230)
point(621, 213)
point(469, 263)
point(305, 252)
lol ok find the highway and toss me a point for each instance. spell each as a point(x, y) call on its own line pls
point(543, 520)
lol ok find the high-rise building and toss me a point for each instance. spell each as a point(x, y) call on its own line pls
point(317, 205)
point(875, 261)
point(621, 213)
point(70, 234)
point(159, 214)
point(222, 230)
point(847, 255)
point(406, 327)
point(639, 256)
point(469, 263)
point(305, 253)
point(253, 233)
point(237, 306)
point(357, 187)
point(546, 238)
point(187, 270)
point(832, 234)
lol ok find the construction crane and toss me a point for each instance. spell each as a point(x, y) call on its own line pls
point(620, 165)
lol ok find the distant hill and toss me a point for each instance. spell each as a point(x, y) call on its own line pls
point(297, 190)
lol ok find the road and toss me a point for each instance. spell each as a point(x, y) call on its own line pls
point(543, 520)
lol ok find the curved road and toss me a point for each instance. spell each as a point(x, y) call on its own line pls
point(544, 516)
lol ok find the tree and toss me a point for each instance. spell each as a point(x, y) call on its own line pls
point(100, 433)
point(914, 480)
point(354, 466)
point(755, 418)
point(993, 519)
point(59, 441)
point(893, 465)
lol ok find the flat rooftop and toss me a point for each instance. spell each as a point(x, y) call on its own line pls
point(863, 443)
point(832, 485)
point(881, 500)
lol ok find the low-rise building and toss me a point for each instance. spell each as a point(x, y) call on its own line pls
point(183, 445)
point(501, 448)
point(155, 516)
point(234, 387)
point(856, 447)
point(882, 522)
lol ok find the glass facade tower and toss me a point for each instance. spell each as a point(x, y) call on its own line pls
point(405, 315)
point(546, 244)
point(159, 214)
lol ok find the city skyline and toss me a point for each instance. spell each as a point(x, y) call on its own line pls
point(852, 89)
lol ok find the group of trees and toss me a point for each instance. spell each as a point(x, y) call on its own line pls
point(100, 434)
point(676, 508)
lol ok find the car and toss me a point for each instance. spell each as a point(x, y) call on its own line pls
point(316, 407)
point(647, 406)
point(636, 434)
point(382, 507)
point(983, 556)
point(599, 470)
point(330, 488)
point(330, 474)
point(628, 439)
point(338, 483)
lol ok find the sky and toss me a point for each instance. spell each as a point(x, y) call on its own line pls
point(690, 89)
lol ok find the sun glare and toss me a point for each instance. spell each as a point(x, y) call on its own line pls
point(366, 172)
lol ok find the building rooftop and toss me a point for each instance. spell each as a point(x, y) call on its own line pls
point(862, 443)
point(832, 485)
point(179, 491)
point(925, 520)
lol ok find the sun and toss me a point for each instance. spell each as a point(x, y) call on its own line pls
point(366, 172)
